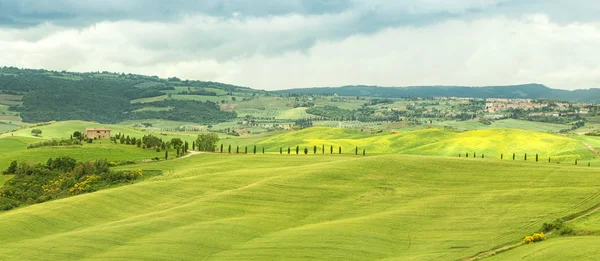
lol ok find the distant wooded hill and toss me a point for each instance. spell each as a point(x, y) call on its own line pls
point(107, 97)
point(526, 91)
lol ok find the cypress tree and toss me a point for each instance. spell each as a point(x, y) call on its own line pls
point(315, 149)
point(331, 150)
point(467, 154)
point(305, 150)
point(221, 147)
point(177, 151)
point(482, 156)
point(246, 150)
point(254, 149)
point(237, 149)
point(474, 155)
point(229, 149)
point(297, 150)
point(536, 157)
point(459, 155)
point(364, 152)
point(289, 150)
point(323, 148)
point(263, 150)
point(501, 156)
point(356, 151)
point(548, 159)
point(340, 150)
point(280, 150)
point(575, 161)
point(525, 156)
point(514, 156)
point(166, 154)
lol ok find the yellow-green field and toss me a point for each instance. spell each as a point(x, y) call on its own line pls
point(429, 141)
point(272, 207)
point(490, 142)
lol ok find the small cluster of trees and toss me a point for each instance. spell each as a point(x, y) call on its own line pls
point(54, 142)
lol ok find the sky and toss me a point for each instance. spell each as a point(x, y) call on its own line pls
point(271, 45)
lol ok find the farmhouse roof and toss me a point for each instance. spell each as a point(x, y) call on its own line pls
point(97, 129)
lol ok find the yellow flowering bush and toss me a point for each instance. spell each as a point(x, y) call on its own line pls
point(535, 238)
point(85, 185)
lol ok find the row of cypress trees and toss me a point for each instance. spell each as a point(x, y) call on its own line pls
point(222, 149)
point(514, 157)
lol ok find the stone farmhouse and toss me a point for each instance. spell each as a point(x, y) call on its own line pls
point(96, 133)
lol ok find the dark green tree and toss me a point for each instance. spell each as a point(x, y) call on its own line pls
point(36, 132)
point(221, 147)
point(194, 145)
point(297, 150)
point(166, 154)
point(340, 150)
point(122, 139)
point(77, 135)
point(207, 142)
point(254, 149)
point(289, 150)
point(176, 142)
point(514, 156)
point(364, 152)
point(246, 150)
point(305, 150)
point(280, 150)
point(12, 169)
point(536, 157)
point(237, 149)
point(356, 151)
point(323, 151)
point(229, 149)
point(525, 156)
point(331, 150)
point(315, 149)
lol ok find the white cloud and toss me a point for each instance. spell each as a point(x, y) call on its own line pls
point(295, 50)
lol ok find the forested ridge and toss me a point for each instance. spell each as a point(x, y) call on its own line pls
point(524, 91)
point(105, 97)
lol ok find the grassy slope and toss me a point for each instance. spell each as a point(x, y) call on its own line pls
point(507, 123)
point(562, 248)
point(491, 142)
point(228, 207)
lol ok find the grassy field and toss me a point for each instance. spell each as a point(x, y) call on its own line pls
point(244, 207)
point(110, 152)
point(432, 141)
point(429, 141)
point(507, 123)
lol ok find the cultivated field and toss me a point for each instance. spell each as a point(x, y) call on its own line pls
point(265, 207)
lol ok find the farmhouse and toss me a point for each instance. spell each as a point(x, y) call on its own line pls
point(96, 133)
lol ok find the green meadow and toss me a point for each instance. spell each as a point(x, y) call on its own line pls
point(267, 207)
point(410, 198)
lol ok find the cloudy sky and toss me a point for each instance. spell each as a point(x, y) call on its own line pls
point(268, 44)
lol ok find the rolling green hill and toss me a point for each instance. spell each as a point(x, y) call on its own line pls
point(245, 207)
point(429, 141)
point(433, 141)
